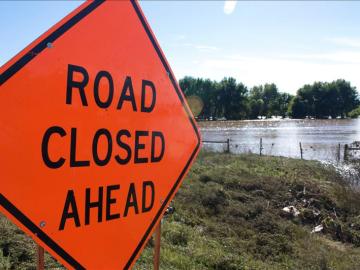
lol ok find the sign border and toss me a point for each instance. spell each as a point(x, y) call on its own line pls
point(32, 53)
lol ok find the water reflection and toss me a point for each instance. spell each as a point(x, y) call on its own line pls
point(320, 139)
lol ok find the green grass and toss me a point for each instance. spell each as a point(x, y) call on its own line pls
point(228, 216)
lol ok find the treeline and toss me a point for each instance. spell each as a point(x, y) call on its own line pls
point(233, 100)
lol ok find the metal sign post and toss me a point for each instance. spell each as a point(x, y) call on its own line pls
point(40, 258)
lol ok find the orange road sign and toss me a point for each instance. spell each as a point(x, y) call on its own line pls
point(96, 136)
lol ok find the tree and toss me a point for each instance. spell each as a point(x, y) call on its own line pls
point(267, 100)
point(256, 108)
point(355, 113)
point(298, 108)
point(233, 99)
point(205, 89)
point(348, 97)
point(322, 100)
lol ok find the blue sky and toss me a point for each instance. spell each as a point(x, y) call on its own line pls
point(286, 42)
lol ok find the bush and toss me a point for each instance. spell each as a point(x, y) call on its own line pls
point(355, 113)
point(176, 234)
point(215, 199)
point(205, 178)
point(272, 246)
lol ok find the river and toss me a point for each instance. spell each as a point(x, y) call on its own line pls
point(320, 139)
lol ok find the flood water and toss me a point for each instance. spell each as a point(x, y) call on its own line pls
point(320, 139)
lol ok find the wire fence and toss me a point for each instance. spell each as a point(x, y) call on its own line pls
point(304, 150)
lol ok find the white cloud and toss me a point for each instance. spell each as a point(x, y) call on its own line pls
point(229, 6)
point(346, 41)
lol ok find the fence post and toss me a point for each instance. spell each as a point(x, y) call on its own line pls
point(261, 147)
point(301, 150)
point(339, 153)
point(228, 146)
point(346, 152)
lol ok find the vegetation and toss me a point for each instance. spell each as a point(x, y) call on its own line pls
point(267, 101)
point(231, 100)
point(321, 100)
point(228, 215)
point(355, 113)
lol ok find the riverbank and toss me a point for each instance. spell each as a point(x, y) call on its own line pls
point(229, 215)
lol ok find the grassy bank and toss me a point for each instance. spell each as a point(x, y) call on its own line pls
point(229, 216)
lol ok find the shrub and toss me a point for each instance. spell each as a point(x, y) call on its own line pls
point(176, 234)
point(355, 113)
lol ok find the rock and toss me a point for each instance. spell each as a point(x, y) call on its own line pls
point(318, 228)
point(291, 210)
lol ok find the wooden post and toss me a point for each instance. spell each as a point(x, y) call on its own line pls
point(346, 152)
point(339, 153)
point(301, 150)
point(40, 258)
point(228, 146)
point(157, 247)
point(261, 147)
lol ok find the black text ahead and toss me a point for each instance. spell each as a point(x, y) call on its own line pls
point(121, 148)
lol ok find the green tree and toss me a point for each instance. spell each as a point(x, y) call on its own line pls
point(267, 100)
point(205, 89)
point(322, 100)
point(355, 113)
point(233, 99)
point(348, 97)
point(298, 107)
point(256, 108)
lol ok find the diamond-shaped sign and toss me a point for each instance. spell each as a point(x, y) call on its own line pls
point(96, 136)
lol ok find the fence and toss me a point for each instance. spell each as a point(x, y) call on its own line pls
point(334, 152)
point(352, 151)
point(227, 142)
